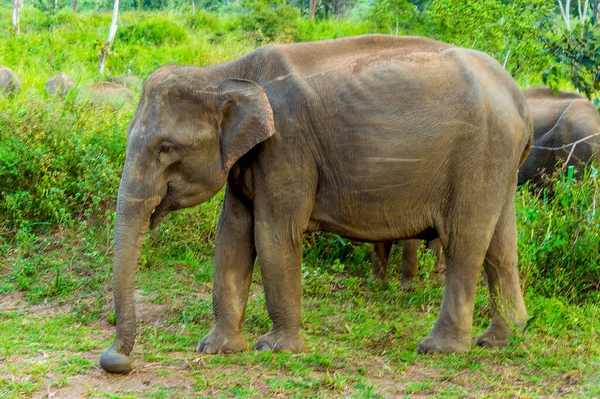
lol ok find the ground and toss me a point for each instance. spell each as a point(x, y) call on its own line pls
point(361, 342)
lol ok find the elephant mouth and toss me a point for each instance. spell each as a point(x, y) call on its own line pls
point(162, 209)
point(156, 217)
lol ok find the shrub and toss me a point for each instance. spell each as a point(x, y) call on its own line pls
point(559, 242)
point(270, 23)
point(57, 159)
point(154, 31)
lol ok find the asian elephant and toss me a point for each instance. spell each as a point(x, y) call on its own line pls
point(108, 93)
point(132, 82)
point(410, 262)
point(59, 84)
point(374, 138)
point(558, 120)
point(9, 82)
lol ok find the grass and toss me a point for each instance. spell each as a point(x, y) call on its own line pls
point(60, 163)
point(361, 339)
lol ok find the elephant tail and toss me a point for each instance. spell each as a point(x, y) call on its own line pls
point(528, 125)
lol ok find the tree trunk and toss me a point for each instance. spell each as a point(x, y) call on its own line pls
point(111, 37)
point(312, 9)
point(15, 16)
point(193, 6)
point(582, 12)
point(565, 11)
point(74, 5)
point(594, 11)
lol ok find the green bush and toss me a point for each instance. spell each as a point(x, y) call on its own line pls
point(270, 22)
point(559, 242)
point(57, 159)
point(152, 31)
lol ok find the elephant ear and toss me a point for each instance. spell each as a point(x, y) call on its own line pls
point(246, 118)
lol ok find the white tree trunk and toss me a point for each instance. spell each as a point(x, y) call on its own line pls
point(565, 11)
point(111, 37)
point(15, 16)
point(193, 6)
point(581, 12)
point(311, 9)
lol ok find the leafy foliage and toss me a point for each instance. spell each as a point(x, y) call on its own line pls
point(62, 160)
point(270, 23)
point(559, 229)
point(495, 27)
point(152, 31)
point(577, 57)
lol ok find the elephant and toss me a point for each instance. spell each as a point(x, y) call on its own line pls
point(132, 82)
point(108, 93)
point(9, 82)
point(558, 120)
point(374, 138)
point(59, 84)
point(410, 263)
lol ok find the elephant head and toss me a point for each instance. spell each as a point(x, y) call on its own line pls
point(187, 133)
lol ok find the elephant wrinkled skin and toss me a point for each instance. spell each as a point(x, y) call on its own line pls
point(375, 138)
point(558, 120)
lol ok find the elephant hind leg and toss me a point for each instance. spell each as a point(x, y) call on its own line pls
point(381, 259)
point(508, 308)
point(465, 237)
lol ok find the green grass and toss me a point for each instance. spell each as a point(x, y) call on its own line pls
point(60, 165)
point(361, 341)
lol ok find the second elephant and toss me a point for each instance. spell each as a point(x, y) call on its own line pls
point(558, 120)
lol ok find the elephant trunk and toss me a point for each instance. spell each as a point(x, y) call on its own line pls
point(133, 217)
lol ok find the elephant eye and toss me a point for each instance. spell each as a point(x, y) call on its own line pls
point(165, 147)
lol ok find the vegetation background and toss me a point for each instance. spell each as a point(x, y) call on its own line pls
point(60, 165)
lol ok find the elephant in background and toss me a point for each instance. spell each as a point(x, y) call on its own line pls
point(410, 262)
point(108, 93)
point(339, 136)
point(9, 82)
point(59, 85)
point(558, 120)
point(129, 81)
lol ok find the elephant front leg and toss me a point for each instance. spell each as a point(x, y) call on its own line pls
point(280, 259)
point(234, 261)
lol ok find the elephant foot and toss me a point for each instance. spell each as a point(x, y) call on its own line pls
point(436, 343)
point(114, 362)
point(493, 338)
point(406, 282)
point(220, 341)
point(280, 341)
